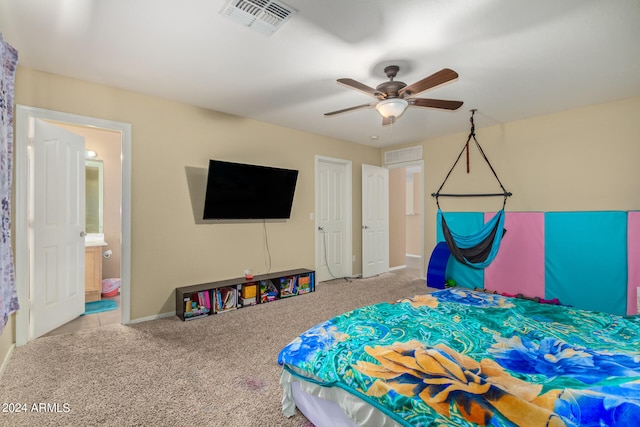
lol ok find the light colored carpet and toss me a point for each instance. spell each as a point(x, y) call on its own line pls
point(216, 371)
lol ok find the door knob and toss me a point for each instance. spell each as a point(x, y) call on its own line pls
point(82, 233)
point(365, 227)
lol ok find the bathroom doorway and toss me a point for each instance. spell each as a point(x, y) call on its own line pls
point(103, 226)
point(115, 256)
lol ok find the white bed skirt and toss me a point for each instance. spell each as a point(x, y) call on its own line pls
point(328, 406)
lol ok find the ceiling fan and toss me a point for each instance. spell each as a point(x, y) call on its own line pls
point(395, 96)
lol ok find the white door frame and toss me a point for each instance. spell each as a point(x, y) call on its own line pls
point(23, 186)
point(421, 164)
point(348, 203)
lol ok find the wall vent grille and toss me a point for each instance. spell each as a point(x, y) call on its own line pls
point(401, 155)
point(263, 16)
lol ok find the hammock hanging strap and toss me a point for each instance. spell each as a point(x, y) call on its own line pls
point(479, 249)
point(472, 134)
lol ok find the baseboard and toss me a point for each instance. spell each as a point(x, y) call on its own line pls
point(6, 359)
point(398, 267)
point(155, 317)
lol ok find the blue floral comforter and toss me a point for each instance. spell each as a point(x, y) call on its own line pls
point(458, 357)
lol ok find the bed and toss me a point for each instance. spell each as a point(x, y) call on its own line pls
point(459, 357)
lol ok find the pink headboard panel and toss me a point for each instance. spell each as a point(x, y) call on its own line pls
point(519, 267)
point(633, 262)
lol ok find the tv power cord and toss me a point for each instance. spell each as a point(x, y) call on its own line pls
point(324, 244)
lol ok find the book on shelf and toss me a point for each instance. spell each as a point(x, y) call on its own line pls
point(288, 286)
point(246, 302)
point(226, 299)
point(304, 284)
point(208, 300)
point(201, 299)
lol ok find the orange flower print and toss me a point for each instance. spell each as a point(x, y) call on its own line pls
point(422, 301)
point(445, 379)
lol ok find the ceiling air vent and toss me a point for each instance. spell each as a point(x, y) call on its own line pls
point(263, 16)
point(403, 155)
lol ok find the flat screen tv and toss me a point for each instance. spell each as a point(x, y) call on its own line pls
point(243, 191)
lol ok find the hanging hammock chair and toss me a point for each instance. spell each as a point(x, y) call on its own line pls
point(479, 249)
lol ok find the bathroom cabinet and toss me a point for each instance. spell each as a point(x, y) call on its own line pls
point(92, 273)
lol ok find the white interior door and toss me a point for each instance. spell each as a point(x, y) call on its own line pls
point(333, 219)
point(58, 205)
point(375, 220)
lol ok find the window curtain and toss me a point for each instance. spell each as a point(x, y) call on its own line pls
point(8, 294)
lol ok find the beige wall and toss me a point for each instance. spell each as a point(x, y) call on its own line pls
point(578, 160)
point(414, 221)
point(414, 238)
point(168, 248)
point(405, 219)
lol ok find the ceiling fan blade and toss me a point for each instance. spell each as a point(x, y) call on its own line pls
point(360, 87)
point(436, 79)
point(345, 110)
point(435, 103)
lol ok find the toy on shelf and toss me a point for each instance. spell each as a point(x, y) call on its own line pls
point(197, 305)
point(248, 294)
point(268, 291)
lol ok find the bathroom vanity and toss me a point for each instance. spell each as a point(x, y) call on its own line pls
point(92, 273)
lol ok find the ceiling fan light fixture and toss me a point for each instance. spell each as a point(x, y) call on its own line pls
point(392, 107)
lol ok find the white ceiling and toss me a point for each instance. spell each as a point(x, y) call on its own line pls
point(515, 58)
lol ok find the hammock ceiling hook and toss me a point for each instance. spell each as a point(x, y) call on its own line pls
point(473, 125)
point(472, 133)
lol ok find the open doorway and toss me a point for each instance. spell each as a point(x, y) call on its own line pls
point(120, 235)
point(103, 189)
point(406, 224)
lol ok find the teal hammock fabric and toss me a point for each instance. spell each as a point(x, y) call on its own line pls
point(477, 250)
